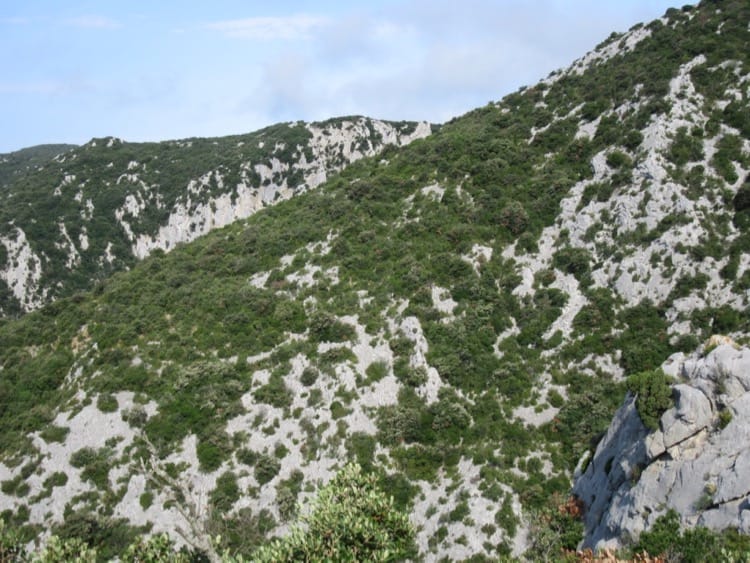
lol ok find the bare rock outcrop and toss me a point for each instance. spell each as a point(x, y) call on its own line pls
point(697, 462)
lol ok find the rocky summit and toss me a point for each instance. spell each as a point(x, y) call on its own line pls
point(420, 345)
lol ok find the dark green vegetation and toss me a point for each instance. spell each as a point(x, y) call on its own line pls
point(667, 539)
point(653, 396)
point(18, 163)
point(351, 520)
point(100, 197)
point(262, 319)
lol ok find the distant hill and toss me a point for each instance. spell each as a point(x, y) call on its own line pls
point(21, 161)
point(68, 221)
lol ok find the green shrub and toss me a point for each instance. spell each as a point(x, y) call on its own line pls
point(155, 549)
point(58, 550)
point(574, 261)
point(210, 455)
point(266, 468)
point(16, 486)
point(555, 399)
point(666, 538)
point(11, 543)
point(146, 499)
point(338, 410)
point(94, 464)
point(686, 147)
point(514, 218)
point(106, 402)
point(376, 371)
point(226, 493)
point(325, 327)
point(57, 479)
point(309, 376)
point(54, 433)
point(725, 417)
point(506, 518)
point(110, 536)
point(618, 159)
point(351, 520)
point(645, 342)
point(247, 456)
point(653, 395)
point(362, 447)
point(274, 393)
point(136, 416)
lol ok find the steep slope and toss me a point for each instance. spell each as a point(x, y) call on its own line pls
point(96, 209)
point(456, 315)
point(696, 462)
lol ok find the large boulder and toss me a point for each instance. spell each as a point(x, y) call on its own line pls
point(697, 462)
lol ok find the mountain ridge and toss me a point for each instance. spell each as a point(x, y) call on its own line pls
point(459, 316)
point(100, 217)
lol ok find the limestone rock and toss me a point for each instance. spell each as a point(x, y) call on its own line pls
point(697, 462)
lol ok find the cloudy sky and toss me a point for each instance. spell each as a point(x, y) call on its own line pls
point(77, 69)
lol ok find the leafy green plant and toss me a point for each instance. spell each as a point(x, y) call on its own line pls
point(158, 548)
point(653, 395)
point(226, 493)
point(54, 433)
point(266, 468)
point(351, 519)
point(59, 550)
point(106, 402)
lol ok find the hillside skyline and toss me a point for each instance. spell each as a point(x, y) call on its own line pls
point(148, 73)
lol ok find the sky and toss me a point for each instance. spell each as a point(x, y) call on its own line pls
point(168, 69)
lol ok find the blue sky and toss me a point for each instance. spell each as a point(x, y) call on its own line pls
point(165, 69)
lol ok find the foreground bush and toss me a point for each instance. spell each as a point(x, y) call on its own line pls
point(350, 520)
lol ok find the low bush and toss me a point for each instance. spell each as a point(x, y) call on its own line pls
point(653, 395)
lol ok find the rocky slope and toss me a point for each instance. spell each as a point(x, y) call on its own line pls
point(70, 220)
point(17, 163)
point(696, 463)
point(456, 315)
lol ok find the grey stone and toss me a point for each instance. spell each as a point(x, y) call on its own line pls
point(691, 414)
point(735, 482)
point(691, 464)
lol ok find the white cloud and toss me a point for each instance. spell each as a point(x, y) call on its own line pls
point(92, 22)
point(266, 28)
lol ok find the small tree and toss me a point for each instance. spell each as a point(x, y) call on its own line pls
point(67, 550)
point(654, 395)
point(514, 218)
point(11, 544)
point(155, 549)
point(351, 520)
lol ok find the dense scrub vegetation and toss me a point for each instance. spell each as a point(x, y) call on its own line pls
point(82, 211)
point(201, 331)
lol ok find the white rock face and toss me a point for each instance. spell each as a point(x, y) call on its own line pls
point(88, 428)
point(696, 463)
point(23, 270)
point(333, 147)
point(652, 268)
point(207, 202)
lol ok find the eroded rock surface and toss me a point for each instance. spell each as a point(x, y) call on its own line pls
point(697, 462)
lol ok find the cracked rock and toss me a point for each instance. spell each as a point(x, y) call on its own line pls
point(697, 463)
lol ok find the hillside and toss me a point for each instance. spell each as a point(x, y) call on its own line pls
point(71, 217)
point(17, 163)
point(459, 316)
